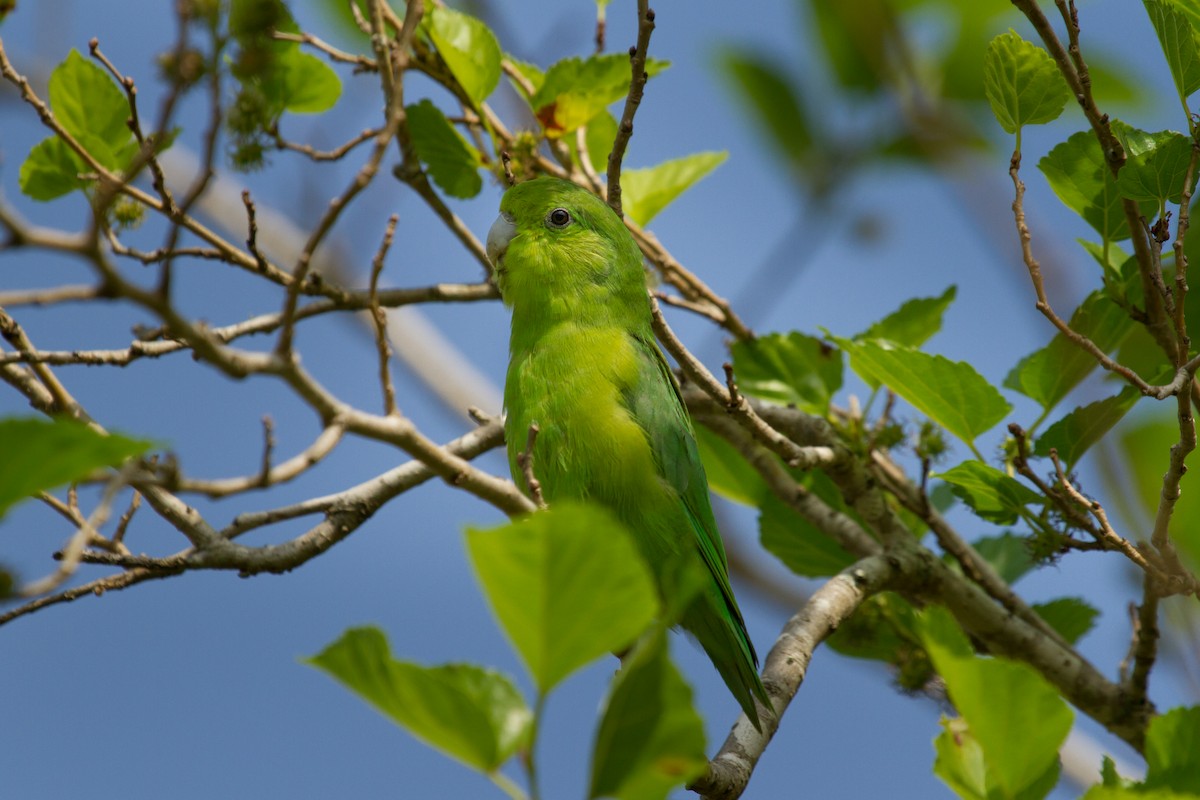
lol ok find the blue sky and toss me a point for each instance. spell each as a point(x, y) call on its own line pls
point(190, 687)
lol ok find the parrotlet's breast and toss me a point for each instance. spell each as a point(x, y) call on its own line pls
point(572, 383)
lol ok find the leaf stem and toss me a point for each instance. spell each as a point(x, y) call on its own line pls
point(530, 759)
point(507, 786)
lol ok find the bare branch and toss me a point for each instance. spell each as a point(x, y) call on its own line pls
point(785, 669)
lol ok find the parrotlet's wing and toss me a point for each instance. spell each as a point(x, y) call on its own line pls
point(714, 618)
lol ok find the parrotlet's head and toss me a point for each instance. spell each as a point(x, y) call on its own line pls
point(555, 241)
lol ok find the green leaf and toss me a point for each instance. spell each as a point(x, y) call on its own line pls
point(576, 90)
point(645, 192)
point(1047, 375)
point(471, 714)
point(310, 85)
point(1173, 750)
point(729, 474)
point(51, 170)
point(877, 630)
point(650, 739)
point(959, 760)
point(567, 584)
point(787, 369)
point(1157, 163)
point(1134, 793)
point(43, 454)
point(339, 12)
point(1072, 435)
point(1079, 175)
point(1018, 719)
point(1179, 44)
point(1022, 83)
point(86, 101)
point(452, 162)
point(771, 98)
point(853, 33)
point(1108, 772)
point(1190, 10)
point(942, 636)
point(800, 545)
point(961, 764)
point(951, 393)
point(989, 492)
point(914, 322)
point(469, 49)
point(600, 136)
point(530, 72)
point(1143, 443)
point(1007, 553)
point(1070, 616)
point(1113, 84)
point(884, 629)
point(1118, 266)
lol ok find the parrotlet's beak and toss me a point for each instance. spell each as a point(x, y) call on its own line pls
point(501, 233)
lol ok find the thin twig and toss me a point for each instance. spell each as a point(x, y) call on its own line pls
point(525, 463)
point(380, 319)
point(333, 212)
point(637, 85)
point(264, 470)
point(1039, 287)
point(359, 61)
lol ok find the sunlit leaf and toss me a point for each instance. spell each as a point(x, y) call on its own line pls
point(575, 90)
point(1048, 374)
point(1173, 750)
point(999, 699)
point(43, 454)
point(51, 170)
point(1179, 43)
point(645, 192)
point(601, 134)
point(1156, 163)
point(951, 393)
point(469, 49)
point(86, 100)
point(650, 739)
point(311, 87)
point(452, 162)
point(989, 492)
point(472, 714)
point(1022, 83)
point(1134, 793)
point(567, 584)
point(913, 322)
point(1079, 175)
point(1072, 435)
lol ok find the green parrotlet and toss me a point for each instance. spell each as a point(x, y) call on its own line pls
point(613, 429)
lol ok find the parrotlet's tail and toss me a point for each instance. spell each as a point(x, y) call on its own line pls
point(722, 634)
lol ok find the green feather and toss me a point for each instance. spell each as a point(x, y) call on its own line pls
point(613, 429)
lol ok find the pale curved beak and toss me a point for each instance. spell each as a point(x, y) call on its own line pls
point(501, 233)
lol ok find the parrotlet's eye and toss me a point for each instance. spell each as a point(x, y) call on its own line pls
point(558, 218)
